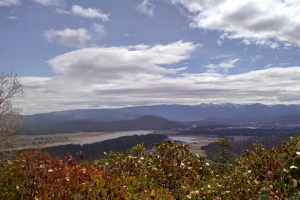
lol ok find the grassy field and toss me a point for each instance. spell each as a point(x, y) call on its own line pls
point(22, 142)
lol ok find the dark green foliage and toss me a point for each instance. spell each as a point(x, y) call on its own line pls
point(224, 155)
point(237, 148)
point(240, 131)
point(95, 150)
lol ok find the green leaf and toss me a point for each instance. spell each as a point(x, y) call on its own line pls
point(282, 155)
point(297, 161)
point(294, 183)
point(298, 145)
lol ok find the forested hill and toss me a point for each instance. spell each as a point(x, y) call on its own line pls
point(95, 150)
point(141, 123)
point(144, 123)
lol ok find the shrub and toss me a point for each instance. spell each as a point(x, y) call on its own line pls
point(169, 171)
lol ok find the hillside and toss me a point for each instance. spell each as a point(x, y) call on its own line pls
point(95, 150)
point(145, 123)
point(141, 123)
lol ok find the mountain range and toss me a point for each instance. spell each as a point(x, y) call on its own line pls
point(140, 123)
point(217, 113)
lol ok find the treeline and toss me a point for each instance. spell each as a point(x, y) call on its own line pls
point(259, 132)
point(237, 148)
point(95, 150)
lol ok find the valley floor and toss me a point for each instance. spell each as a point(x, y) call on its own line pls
point(23, 142)
point(196, 142)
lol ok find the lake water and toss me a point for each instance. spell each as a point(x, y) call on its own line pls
point(110, 136)
point(185, 139)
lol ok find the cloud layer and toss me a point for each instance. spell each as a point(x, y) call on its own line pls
point(138, 75)
point(256, 22)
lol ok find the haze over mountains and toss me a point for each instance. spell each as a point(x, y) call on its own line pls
point(216, 113)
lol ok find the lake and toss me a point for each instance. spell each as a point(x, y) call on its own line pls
point(185, 139)
point(110, 136)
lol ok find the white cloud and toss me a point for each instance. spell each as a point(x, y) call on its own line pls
point(49, 2)
point(146, 8)
point(224, 66)
point(220, 42)
point(34, 81)
point(11, 17)
point(9, 3)
point(256, 58)
point(268, 66)
point(68, 37)
point(107, 63)
point(256, 22)
point(90, 13)
point(40, 2)
point(99, 29)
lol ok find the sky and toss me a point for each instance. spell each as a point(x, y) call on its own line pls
point(85, 54)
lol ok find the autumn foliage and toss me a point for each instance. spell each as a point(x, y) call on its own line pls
point(170, 171)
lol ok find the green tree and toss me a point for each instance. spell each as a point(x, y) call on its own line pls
point(224, 156)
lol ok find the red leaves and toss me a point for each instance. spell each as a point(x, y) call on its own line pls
point(286, 150)
point(37, 174)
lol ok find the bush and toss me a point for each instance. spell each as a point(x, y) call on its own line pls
point(169, 171)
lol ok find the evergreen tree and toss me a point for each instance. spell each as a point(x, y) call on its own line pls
point(224, 156)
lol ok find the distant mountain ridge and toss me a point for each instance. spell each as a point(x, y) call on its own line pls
point(141, 123)
point(226, 113)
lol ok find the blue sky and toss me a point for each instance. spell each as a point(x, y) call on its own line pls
point(116, 53)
